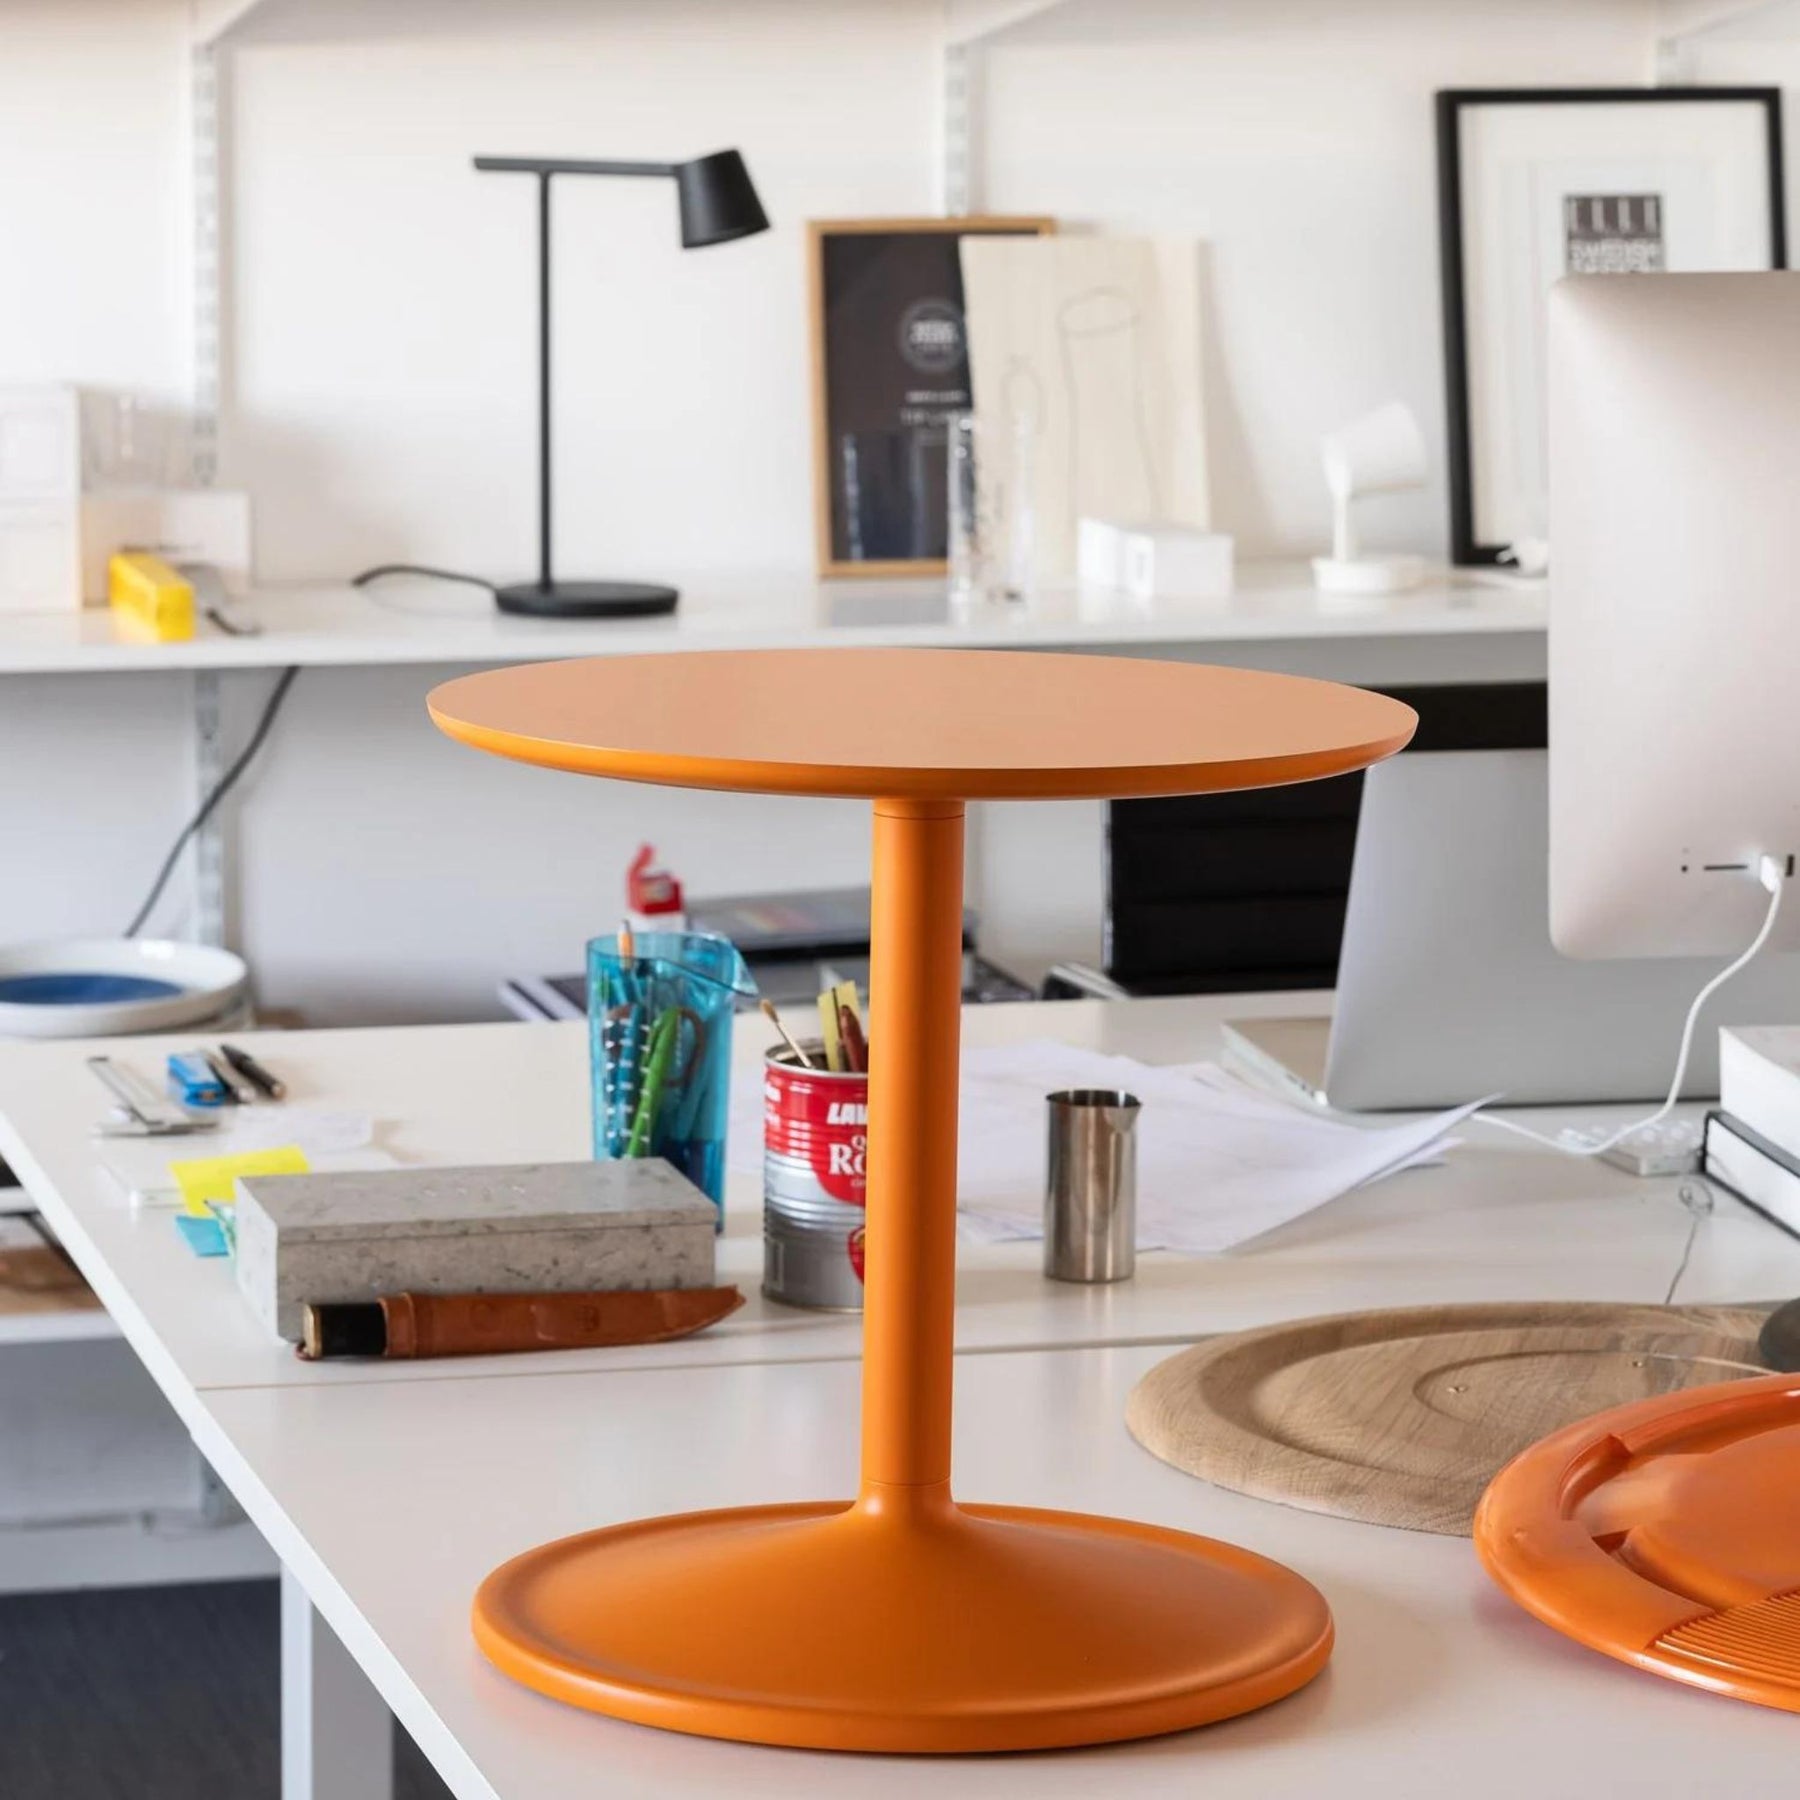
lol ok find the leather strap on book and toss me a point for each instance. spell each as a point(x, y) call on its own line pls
point(490, 1324)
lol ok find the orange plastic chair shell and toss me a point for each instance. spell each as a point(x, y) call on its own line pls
point(1665, 1533)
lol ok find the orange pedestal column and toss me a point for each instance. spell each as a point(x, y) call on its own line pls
point(915, 1022)
point(901, 1621)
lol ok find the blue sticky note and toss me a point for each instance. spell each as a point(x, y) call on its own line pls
point(205, 1237)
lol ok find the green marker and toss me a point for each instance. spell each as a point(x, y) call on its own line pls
point(656, 1075)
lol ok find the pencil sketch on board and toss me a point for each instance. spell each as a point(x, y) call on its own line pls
point(1089, 348)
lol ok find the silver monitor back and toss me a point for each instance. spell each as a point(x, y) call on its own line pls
point(1449, 987)
point(1674, 422)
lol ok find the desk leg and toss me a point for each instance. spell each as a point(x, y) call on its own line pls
point(337, 1735)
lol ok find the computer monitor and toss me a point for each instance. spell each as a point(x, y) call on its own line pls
point(1674, 421)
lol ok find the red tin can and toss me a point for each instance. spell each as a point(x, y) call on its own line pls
point(815, 1148)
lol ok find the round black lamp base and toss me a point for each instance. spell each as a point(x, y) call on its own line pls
point(586, 599)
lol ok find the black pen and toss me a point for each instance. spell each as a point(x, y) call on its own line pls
point(253, 1071)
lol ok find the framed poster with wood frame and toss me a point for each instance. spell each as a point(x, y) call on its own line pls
point(890, 366)
point(1538, 183)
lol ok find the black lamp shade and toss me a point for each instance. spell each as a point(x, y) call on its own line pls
point(718, 201)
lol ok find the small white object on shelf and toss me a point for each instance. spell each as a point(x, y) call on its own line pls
point(1383, 452)
point(1174, 562)
point(1154, 561)
point(1099, 553)
point(40, 499)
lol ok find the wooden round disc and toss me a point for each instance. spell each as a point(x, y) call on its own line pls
point(901, 724)
point(1403, 1417)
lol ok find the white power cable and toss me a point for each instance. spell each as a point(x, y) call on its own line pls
point(1772, 874)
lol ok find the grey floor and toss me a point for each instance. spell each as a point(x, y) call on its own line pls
point(152, 1694)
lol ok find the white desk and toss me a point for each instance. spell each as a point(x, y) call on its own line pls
point(389, 1488)
point(1475, 1228)
point(392, 1503)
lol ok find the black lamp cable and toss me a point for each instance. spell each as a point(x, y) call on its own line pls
point(225, 784)
point(384, 569)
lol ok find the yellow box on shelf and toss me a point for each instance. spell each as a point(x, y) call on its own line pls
point(149, 598)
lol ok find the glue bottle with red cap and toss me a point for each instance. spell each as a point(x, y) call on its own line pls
point(653, 899)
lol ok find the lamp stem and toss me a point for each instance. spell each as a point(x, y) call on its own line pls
point(544, 575)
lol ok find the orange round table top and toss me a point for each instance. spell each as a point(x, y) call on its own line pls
point(922, 724)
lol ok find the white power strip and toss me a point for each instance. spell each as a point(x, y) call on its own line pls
point(1669, 1148)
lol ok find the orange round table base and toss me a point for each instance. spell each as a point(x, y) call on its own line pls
point(918, 1626)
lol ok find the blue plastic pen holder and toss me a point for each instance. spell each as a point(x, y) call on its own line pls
point(659, 1036)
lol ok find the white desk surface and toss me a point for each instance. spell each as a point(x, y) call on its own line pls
point(392, 1503)
point(409, 621)
point(391, 1489)
point(1500, 1220)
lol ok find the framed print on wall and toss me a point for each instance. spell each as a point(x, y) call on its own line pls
point(890, 366)
point(1535, 184)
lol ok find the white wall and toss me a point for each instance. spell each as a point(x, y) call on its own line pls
point(384, 292)
point(381, 377)
point(390, 874)
point(383, 406)
point(94, 265)
point(1762, 50)
point(1295, 137)
point(93, 180)
point(385, 379)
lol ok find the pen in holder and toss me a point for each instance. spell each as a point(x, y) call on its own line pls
point(659, 1028)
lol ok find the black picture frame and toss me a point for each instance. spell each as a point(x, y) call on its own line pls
point(1451, 105)
point(873, 285)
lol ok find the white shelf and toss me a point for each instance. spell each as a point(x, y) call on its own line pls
point(965, 21)
point(970, 21)
point(214, 19)
point(79, 1325)
point(416, 622)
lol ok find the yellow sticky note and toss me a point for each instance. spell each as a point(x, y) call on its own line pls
point(210, 1178)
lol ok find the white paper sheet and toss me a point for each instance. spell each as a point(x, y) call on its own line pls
point(1219, 1162)
point(333, 1142)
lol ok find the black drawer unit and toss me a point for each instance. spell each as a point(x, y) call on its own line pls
point(1218, 893)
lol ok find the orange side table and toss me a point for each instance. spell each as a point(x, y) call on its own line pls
point(901, 1621)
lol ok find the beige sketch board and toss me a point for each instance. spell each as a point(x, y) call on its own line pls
point(1096, 340)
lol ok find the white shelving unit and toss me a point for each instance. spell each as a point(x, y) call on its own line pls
point(972, 21)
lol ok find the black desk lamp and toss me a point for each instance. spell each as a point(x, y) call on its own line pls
point(718, 203)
